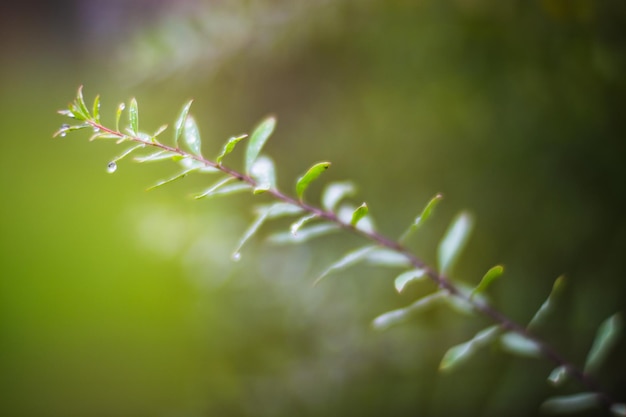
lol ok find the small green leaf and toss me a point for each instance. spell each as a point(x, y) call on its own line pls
point(423, 216)
point(158, 132)
point(618, 409)
point(226, 190)
point(606, 338)
point(179, 125)
point(358, 214)
point(228, 147)
point(460, 353)
point(491, 275)
point(77, 113)
point(191, 134)
point(128, 152)
point(311, 175)
point(133, 116)
point(174, 178)
point(547, 305)
point(258, 138)
point(520, 345)
point(191, 163)
point(407, 277)
point(390, 318)
point(345, 212)
point(254, 227)
point(334, 192)
point(295, 226)
point(118, 115)
point(281, 209)
point(304, 234)
point(387, 257)
point(347, 260)
point(65, 129)
point(569, 404)
point(80, 102)
point(558, 376)
point(212, 189)
point(264, 174)
point(156, 156)
point(96, 109)
point(454, 241)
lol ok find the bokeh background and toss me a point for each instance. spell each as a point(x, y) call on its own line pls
point(117, 302)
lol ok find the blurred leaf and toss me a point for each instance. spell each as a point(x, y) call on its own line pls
point(264, 174)
point(407, 277)
point(156, 156)
point(387, 257)
point(133, 116)
point(558, 376)
point(174, 178)
point(547, 305)
point(390, 318)
point(459, 353)
point(334, 192)
point(190, 163)
point(281, 209)
point(569, 404)
point(96, 109)
point(491, 275)
point(421, 219)
point(191, 134)
point(158, 132)
point(606, 338)
point(460, 303)
point(304, 234)
point(618, 410)
point(118, 115)
point(520, 345)
point(180, 123)
point(258, 138)
point(347, 260)
point(295, 226)
point(128, 152)
point(311, 175)
point(228, 147)
point(454, 241)
point(212, 189)
point(226, 190)
point(358, 214)
point(254, 227)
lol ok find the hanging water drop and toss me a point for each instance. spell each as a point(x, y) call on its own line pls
point(63, 131)
point(95, 129)
point(236, 256)
point(111, 167)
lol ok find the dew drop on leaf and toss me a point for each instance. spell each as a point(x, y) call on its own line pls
point(236, 256)
point(96, 130)
point(111, 167)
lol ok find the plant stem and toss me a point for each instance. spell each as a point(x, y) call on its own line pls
point(440, 280)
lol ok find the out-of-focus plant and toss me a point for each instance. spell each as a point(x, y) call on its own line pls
point(333, 215)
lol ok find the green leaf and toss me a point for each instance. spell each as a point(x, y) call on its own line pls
point(358, 214)
point(618, 409)
point(547, 305)
point(460, 304)
point(65, 129)
point(264, 174)
point(390, 318)
point(156, 156)
point(191, 134)
point(454, 241)
point(96, 109)
point(423, 216)
point(281, 209)
point(80, 102)
point(158, 132)
point(387, 257)
point(228, 147)
point(191, 163)
point(491, 275)
point(311, 175)
point(133, 116)
point(128, 152)
point(258, 138)
point(304, 234)
point(558, 376)
point(334, 192)
point(174, 178)
point(295, 226)
point(179, 125)
point(212, 189)
point(77, 113)
point(118, 115)
point(347, 260)
point(606, 338)
point(460, 353)
point(569, 404)
point(407, 277)
point(520, 345)
point(254, 227)
point(226, 190)
point(345, 212)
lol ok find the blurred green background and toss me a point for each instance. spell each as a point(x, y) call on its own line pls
point(117, 302)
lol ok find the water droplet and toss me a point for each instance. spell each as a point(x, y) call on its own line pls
point(96, 130)
point(65, 126)
point(63, 134)
point(122, 106)
point(111, 167)
point(236, 256)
